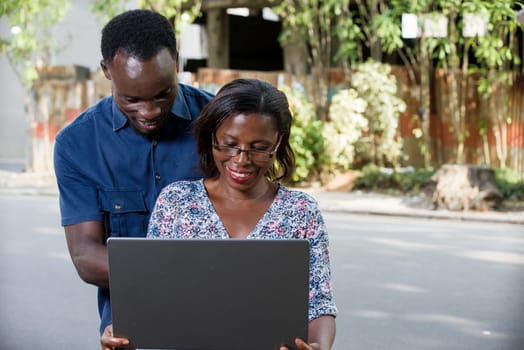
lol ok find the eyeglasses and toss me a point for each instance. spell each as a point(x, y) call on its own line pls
point(254, 154)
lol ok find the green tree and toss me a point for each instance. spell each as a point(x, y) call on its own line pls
point(180, 12)
point(315, 22)
point(494, 51)
point(374, 26)
point(29, 47)
point(368, 13)
point(306, 137)
point(346, 127)
point(104, 10)
point(416, 56)
point(497, 57)
point(376, 85)
point(451, 54)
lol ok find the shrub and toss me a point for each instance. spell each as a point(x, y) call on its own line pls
point(510, 183)
point(398, 181)
point(375, 84)
point(345, 127)
point(363, 121)
point(306, 136)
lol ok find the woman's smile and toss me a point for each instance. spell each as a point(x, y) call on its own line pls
point(240, 176)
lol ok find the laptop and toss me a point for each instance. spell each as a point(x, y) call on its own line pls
point(227, 294)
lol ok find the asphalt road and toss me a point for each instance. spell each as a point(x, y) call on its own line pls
point(43, 303)
point(404, 283)
point(400, 283)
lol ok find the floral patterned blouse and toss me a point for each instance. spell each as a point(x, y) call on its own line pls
point(183, 210)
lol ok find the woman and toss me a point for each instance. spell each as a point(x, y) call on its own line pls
point(243, 144)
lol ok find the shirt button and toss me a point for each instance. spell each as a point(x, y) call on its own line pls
point(155, 142)
point(158, 177)
point(118, 206)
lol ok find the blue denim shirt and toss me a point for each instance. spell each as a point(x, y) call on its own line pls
point(108, 172)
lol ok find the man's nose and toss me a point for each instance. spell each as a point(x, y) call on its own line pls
point(149, 109)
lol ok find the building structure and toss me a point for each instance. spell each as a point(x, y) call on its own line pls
point(236, 34)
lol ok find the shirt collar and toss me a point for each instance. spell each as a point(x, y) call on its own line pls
point(179, 109)
point(119, 119)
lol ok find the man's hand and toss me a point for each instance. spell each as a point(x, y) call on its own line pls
point(110, 342)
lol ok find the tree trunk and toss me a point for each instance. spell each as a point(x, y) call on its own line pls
point(218, 38)
point(465, 187)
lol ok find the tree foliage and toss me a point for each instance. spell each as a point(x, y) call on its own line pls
point(494, 52)
point(179, 12)
point(30, 44)
point(315, 22)
point(347, 126)
point(364, 118)
point(104, 10)
point(378, 87)
point(306, 136)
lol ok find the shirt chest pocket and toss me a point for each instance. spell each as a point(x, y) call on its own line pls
point(126, 214)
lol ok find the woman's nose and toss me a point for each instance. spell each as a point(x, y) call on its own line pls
point(243, 156)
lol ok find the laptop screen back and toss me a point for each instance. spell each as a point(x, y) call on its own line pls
point(209, 294)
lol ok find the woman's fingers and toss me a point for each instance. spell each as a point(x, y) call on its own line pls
point(302, 345)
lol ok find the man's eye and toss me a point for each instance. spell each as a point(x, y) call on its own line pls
point(161, 97)
point(131, 100)
point(164, 95)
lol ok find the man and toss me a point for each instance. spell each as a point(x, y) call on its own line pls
point(114, 159)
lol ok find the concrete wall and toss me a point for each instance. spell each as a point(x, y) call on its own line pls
point(14, 141)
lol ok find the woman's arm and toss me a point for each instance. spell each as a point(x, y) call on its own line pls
point(321, 334)
point(322, 331)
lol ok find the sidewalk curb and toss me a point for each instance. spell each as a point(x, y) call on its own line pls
point(376, 204)
point(359, 203)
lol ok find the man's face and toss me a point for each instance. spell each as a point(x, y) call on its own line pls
point(143, 90)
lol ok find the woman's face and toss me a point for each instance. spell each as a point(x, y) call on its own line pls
point(143, 90)
point(238, 169)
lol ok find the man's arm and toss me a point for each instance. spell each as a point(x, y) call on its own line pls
point(88, 251)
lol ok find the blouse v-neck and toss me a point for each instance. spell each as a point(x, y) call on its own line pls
point(255, 232)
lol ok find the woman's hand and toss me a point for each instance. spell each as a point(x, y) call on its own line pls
point(302, 345)
point(110, 342)
point(321, 334)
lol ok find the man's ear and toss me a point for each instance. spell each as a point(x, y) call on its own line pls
point(105, 69)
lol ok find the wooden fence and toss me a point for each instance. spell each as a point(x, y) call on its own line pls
point(65, 96)
point(480, 145)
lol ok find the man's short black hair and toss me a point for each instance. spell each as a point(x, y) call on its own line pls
point(139, 33)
